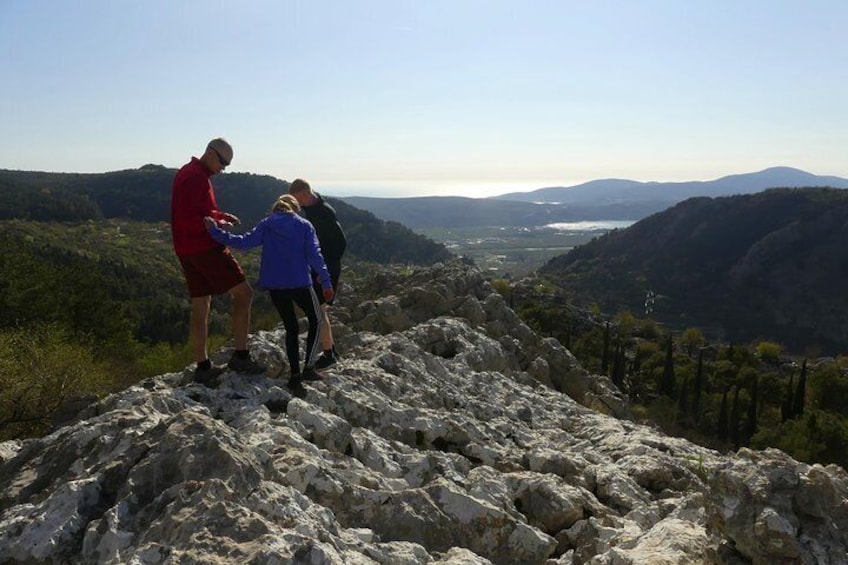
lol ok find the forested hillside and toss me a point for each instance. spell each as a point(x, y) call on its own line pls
point(144, 194)
point(722, 320)
point(722, 395)
point(110, 280)
point(764, 266)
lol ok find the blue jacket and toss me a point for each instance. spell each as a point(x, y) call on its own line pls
point(290, 251)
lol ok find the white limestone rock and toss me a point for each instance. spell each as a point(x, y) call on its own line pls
point(449, 433)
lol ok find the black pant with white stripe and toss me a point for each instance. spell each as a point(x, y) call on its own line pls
point(284, 301)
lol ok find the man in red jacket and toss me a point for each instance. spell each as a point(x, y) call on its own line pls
point(209, 268)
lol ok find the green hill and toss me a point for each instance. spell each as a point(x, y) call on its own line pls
point(144, 194)
point(105, 279)
point(769, 265)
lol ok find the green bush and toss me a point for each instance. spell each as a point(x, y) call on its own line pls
point(828, 389)
point(768, 352)
point(817, 437)
point(41, 370)
point(502, 287)
point(691, 340)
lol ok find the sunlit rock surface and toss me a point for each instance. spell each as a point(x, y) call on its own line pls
point(446, 435)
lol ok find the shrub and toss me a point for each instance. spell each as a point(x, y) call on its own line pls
point(828, 389)
point(816, 437)
point(691, 340)
point(41, 370)
point(768, 352)
point(502, 287)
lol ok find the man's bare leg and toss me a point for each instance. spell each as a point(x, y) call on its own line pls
point(242, 297)
point(198, 327)
point(326, 330)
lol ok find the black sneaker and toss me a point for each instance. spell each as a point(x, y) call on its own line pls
point(295, 381)
point(310, 374)
point(326, 360)
point(246, 365)
point(208, 377)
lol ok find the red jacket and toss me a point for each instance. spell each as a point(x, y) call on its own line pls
point(192, 198)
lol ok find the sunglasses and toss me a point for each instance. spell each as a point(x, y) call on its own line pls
point(224, 162)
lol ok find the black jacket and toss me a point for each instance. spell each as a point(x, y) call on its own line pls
point(331, 236)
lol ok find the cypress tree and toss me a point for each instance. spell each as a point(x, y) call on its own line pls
point(786, 408)
point(734, 419)
point(683, 402)
point(699, 385)
point(722, 418)
point(618, 367)
point(606, 352)
point(800, 397)
point(751, 421)
point(667, 383)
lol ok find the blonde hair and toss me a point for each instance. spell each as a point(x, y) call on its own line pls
point(286, 203)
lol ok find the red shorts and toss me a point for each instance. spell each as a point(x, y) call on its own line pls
point(211, 272)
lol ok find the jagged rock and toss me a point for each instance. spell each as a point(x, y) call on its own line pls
point(417, 295)
point(777, 510)
point(444, 436)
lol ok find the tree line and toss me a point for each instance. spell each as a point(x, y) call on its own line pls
point(721, 395)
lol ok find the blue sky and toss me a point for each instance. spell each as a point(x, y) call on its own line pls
point(397, 97)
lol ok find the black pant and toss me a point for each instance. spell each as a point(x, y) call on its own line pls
point(335, 270)
point(284, 301)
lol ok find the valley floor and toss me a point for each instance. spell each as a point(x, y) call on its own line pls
point(510, 252)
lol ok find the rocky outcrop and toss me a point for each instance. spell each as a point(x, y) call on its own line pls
point(446, 435)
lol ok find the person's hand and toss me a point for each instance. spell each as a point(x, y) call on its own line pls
point(328, 294)
point(231, 219)
point(224, 225)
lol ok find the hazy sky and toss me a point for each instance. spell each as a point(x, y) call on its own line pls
point(397, 97)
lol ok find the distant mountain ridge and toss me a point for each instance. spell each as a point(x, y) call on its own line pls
point(606, 199)
point(612, 190)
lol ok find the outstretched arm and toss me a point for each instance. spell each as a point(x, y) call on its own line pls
point(251, 239)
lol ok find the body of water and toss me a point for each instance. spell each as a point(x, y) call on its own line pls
point(590, 225)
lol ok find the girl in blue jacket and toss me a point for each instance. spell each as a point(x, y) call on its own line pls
point(290, 251)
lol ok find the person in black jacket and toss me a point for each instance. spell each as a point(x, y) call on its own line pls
point(333, 243)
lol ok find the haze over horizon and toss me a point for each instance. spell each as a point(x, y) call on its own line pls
point(396, 98)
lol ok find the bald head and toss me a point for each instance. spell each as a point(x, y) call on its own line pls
point(218, 155)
